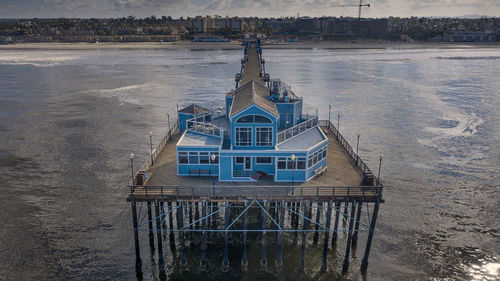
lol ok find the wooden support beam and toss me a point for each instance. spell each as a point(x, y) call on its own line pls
point(364, 262)
point(244, 261)
point(319, 209)
point(263, 259)
point(158, 237)
point(327, 236)
point(336, 225)
point(150, 230)
point(180, 217)
point(171, 223)
point(356, 226)
point(345, 265)
point(138, 261)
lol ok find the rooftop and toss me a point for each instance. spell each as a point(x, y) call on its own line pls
point(303, 141)
point(196, 139)
point(252, 93)
point(194, 109)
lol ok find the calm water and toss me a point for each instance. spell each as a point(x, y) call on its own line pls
point(69, 119)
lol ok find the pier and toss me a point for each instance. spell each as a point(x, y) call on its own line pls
point(333, 190)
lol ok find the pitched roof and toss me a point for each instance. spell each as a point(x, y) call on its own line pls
point(252, 93)
point(194, 109)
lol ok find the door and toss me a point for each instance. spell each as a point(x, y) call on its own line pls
point(248, 163)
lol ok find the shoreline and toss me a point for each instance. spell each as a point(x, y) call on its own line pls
point(237, 45)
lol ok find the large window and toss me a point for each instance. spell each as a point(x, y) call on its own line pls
point(198, 158)
point(286, 163)
point(254, 119)
point(243, 136)
point(264, 136)
point(317, 156)
point(183, 158)
point(264, 160)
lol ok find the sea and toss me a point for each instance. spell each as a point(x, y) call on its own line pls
point(70, 118)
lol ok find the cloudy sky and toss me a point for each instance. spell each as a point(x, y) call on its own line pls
point(261, 8)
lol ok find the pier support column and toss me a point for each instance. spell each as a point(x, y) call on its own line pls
point(296, 222)
point(196, 214)
point(319, 209)
point(150, 225)
point(364, 262)
point(263, 259)
point(191, 221)
point(336, 225)
point(138, 261)
point(345, 266)
point(346, 212)
point(171, 223)
point(163, 218)
point(281, 211)
point(209, 221)
point(356, 226)
point(225, 265)
point(158, 236)
point(244, 262)
point(305, 225)
point(180, 217)
point(204, 208)
point(327, 235)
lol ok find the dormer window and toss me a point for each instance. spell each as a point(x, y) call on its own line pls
point(254, 119)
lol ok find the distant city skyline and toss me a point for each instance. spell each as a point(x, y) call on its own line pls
point(260, 8)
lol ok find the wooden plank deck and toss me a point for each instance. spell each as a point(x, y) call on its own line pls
point(341, 181)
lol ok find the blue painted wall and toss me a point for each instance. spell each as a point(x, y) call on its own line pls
point(229, 102)
point(184, 169)
point(252, 110)
point(183, 117)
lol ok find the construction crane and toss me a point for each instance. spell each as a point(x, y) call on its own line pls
point(359, 6)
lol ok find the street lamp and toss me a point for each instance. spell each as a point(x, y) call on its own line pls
point(132, 167)
point(379, 165)
point(338, 123)
point(293, 173)
point(329, 115)
point(212, 157)
point(357, 149)
point(151, 146)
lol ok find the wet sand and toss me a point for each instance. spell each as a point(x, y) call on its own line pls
point(237, 45)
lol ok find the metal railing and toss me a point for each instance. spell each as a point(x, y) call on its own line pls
point(242, 174)
point(156, 151)
point(255, 191)
point(198, 124)
point(297, 129)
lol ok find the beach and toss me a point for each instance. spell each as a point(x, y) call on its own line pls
point(237, 45)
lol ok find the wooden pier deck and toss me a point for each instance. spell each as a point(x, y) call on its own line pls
point(342, 181)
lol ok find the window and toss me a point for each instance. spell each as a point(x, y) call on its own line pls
point(281, 163)
point(288, 164)
point(264, 160)
point(240, 160)
point(183, 158)
point(243, 136)
point(254, 119)
point(245, 119)
point(310, 162)
point(204, 158)
point(264, 136)
point(262, 119)
point(193, 157)
point(216, 161)
point(301, 163)
point(325, 150)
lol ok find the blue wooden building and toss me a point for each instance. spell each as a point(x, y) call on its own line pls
point(261, 134)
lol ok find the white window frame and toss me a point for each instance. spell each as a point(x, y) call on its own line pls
point(236, 137)
point(267, 143)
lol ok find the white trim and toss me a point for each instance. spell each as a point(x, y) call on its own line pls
point(272, 136)
point(245, 163)
point(251, 136)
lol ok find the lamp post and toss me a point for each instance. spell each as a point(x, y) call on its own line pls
point(151, 146)
point(212, 157)
point(132, 167)
point(293, 173)
point(357, 149)
point(379, 165)
point(329, 115)
point(338, 123)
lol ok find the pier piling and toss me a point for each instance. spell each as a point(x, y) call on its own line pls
point(364, 262)
point(150, 224)
point(263, 260)
point(345, 265)
point(204, 208)
point(319, 209)
point(356, 226)
point(244, 262)
point(327, 236)
point(181, 235)
point(227, 211)
point(336, 225)
point(158, 236)
point(138, 261)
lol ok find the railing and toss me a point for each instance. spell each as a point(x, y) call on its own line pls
point(159, 147)
point(355, 157)
point(256, 192)
point(205, 128)
point(297, 129)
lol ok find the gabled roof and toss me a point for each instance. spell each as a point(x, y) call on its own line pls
point(252, 93)
point(194, 109)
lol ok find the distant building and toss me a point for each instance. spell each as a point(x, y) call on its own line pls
point(199, 25)
point(474, 36)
